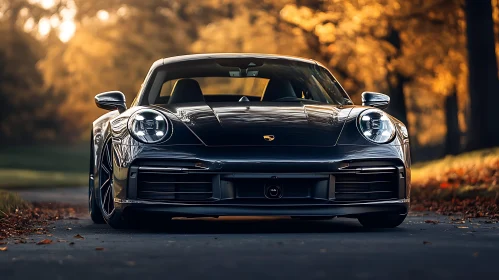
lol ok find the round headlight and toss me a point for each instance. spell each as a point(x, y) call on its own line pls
point(148, 126)
point(403, 131)
point(375, 126)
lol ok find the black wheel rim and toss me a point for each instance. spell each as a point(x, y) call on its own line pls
point(106, 182)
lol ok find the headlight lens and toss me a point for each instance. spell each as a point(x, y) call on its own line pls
point(375, 126)
point(148, 126)
point(403, 131)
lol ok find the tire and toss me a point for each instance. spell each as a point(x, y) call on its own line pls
point(93, 206)
point(105, 192)
point(382, 220)
point(105, 195)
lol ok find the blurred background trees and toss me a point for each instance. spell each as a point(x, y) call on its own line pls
point(435, 58)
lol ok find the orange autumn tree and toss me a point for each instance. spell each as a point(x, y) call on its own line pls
point(412, 50)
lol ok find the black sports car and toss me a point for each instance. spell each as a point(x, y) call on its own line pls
point(213, 135)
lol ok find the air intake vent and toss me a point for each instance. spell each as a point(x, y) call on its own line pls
point(159, 185)
point(367, 185)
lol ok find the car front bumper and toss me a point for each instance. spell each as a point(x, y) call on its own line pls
point(347, 181)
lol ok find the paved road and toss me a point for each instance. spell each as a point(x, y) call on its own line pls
point(258, 248)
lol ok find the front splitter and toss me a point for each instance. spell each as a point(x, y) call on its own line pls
point(186, 210)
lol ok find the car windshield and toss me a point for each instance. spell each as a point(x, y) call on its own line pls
point(239, 80)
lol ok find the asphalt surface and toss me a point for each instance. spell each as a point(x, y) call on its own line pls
point(259, 248)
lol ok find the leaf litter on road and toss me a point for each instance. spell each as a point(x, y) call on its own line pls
point(35, 219)
point(44, 242)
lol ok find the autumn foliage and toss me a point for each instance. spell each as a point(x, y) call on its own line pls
point(415, 51)
point(35, 219)
point(467, 184)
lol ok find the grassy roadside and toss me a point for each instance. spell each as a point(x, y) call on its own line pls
point(466, 184)
point(43, 166)
point(463, 176)
point(18, 178)
point(19, 218)
point(10, 202)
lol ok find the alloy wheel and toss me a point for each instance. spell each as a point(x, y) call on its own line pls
point(106, 181)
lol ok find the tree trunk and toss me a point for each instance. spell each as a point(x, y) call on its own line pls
point(397, 107)
point(453, 137)
point(396, 81)
point(483, 83)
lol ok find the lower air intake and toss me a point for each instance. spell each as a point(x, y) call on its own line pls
point(367, 185)
point(156, 185)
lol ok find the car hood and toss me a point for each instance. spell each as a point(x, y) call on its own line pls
point(259, 124)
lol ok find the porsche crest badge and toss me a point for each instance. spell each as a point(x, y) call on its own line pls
point(268, 137)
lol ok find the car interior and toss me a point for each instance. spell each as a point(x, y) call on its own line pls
point(242, 81)
point(188, 90)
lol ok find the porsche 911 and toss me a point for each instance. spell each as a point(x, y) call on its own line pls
point(211, 135)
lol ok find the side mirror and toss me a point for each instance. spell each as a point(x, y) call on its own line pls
point(375, 99)
point(111, 100)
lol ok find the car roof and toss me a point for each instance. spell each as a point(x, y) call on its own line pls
point(191, 57)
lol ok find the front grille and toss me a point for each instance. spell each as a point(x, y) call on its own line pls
point(155, 185)
point(367, 185)
point(354, 183)
point(291, 188)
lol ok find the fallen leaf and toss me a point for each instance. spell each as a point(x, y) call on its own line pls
point(434, 222)
point(79, 236)
point(426, 242)
point(462, 227)
point(44, 242)
point(444, 185)
point(3, 243)
point(99, 249)
point(3, 248)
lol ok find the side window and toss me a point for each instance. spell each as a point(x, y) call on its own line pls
point(166, 89)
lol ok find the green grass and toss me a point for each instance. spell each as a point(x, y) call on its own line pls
point(16, 178)
point(44, 166)
point(46, 158)
point(9, 202)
